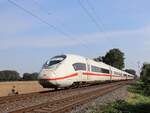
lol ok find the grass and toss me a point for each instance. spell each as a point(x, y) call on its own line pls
point(137, 102)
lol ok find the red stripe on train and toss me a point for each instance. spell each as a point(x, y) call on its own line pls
point(75, 74)
point(95, 74)
point(59, 78)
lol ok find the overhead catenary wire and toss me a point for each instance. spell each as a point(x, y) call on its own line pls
point(41, 7)
point(39, 18)
point(90, 15)
point(94, 12)
point(43, 21)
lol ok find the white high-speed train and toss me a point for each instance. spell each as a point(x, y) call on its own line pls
point(65, 70)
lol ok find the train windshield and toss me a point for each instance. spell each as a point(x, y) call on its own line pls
point(53, 61)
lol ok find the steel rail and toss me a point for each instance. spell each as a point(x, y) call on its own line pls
point(64, 104)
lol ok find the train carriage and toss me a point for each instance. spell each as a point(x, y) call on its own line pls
point(65, 70)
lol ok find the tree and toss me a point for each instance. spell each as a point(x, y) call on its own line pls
point(131, 71)
point(145, 73)
point(30, 76)
point(98, 59)
point(9, 75)
point(114, 58)
point(145, 77)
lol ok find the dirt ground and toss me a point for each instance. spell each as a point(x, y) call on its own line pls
point(20, 87)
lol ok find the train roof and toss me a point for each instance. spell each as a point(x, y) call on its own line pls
point(74, 55)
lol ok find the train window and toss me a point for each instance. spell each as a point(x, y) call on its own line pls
point(79, 66)
point(124, 74)
point(117, 73)
point(99, 70)
point(54, 60)
point(96, 69)
point(104, 70)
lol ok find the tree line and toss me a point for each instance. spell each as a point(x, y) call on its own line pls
point(10, 75)
point(145, 78)
point(115, 57)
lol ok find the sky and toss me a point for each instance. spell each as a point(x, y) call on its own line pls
point(32, 31)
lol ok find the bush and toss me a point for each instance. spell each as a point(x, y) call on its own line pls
point(145, 77)
point(30, 76)
point(122, 106)
point(9, 75)
point(119, 106)
point(145, 73)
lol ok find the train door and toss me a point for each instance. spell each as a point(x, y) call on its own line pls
point(87, 69)
point(80, 75)
point(110, 72)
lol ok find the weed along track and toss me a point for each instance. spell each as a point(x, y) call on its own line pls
point(64, 100)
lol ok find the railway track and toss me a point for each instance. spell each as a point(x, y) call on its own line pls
point(65, 100)
point(15, 98)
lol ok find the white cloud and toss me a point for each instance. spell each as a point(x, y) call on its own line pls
point(61, 41)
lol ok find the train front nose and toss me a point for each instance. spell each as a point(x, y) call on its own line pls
point(45, 79)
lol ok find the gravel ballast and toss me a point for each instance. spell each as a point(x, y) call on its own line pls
point(119, 94)
point(45, 97)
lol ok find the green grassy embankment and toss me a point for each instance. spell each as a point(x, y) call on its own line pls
point(137, 102)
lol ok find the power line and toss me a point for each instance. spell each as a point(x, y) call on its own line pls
point(94, 12)
point(42, 20)
point(42, 7)
point(37, 17)
point(90, 15)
